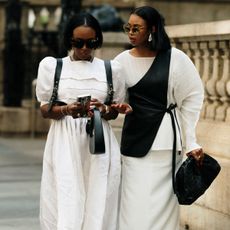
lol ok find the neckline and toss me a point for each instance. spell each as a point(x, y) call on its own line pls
point(128, 51)
point(73, 60)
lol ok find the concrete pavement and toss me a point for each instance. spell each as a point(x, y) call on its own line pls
point(20, 174)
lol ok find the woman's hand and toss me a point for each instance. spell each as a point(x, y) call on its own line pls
point(123, 108)
point(96, 103)
point(107, 112)
point(198, 155)
point(57, 112)
point(75, 110)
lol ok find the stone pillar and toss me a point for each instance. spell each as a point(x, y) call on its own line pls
point(13, 56)
point(2, 24)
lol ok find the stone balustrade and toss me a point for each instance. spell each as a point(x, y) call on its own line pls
point(207, 44)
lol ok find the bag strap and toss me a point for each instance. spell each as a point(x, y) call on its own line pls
point(169, 110)
point(110, 91)
point(56, 83)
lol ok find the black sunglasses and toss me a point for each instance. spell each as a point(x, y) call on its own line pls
point(89, 43)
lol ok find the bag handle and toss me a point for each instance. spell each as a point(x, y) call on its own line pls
point(110, 92)
point(56, 83)
point(95, 130)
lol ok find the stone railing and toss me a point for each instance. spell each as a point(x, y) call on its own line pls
point(207, 44)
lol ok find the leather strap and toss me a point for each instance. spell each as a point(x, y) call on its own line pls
point(110, 92)
point(169, 110)
point(56, 83)
point(94, 125)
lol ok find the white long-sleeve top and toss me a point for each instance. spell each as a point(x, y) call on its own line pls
point(185, 88)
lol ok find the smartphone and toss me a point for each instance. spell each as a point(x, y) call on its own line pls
point(85, 102)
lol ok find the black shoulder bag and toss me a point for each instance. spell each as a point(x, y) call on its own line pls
point(94, 125)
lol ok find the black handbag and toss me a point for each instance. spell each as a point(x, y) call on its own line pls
point(95, 130)
point(94, 125)
point(191, 180)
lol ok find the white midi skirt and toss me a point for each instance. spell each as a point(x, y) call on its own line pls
point(147, 198)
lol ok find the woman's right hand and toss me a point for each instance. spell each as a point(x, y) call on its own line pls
point(198, 155)
point(123, 108)
point(75, 110)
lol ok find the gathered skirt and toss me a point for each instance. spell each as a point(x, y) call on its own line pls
point(79, 190)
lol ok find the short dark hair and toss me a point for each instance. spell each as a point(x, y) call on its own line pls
point(153, 18)
point(81, 19)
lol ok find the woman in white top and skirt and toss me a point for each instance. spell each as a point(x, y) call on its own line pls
point(148, 201)
point(79, 190)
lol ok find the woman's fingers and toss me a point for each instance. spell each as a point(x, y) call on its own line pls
point(122, 108)
point(198, 155)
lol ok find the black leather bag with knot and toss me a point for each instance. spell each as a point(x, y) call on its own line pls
point(192, 180)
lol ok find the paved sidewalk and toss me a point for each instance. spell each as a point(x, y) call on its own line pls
point(20, 174)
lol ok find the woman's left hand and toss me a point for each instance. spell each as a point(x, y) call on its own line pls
point(123, 108)
point(198, 155)
point(96, 103)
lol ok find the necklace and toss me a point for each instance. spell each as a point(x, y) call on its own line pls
point(90, 59)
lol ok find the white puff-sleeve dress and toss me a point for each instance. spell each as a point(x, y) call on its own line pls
point(79, 190)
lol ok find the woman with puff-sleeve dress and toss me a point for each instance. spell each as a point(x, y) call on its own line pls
point(79, 190)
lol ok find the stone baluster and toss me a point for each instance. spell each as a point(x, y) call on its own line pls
point(36, 22)
point(197, 56)
point(211, 83)
point(198, 61)
point(226, 71)
point(222, 82)
point(44, 18)
point(187, 50)
point(55, 18)
point(205, 74)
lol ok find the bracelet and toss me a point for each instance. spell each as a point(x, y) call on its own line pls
point(62, 112)
point(107, 110)
point(66, 109)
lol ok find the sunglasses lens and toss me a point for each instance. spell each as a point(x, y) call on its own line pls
point(91, 44)
point(133, 29)
point(126, 28)
point(79, 43)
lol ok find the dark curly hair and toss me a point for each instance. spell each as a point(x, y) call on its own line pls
point(152, 18)
point(81, 19)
